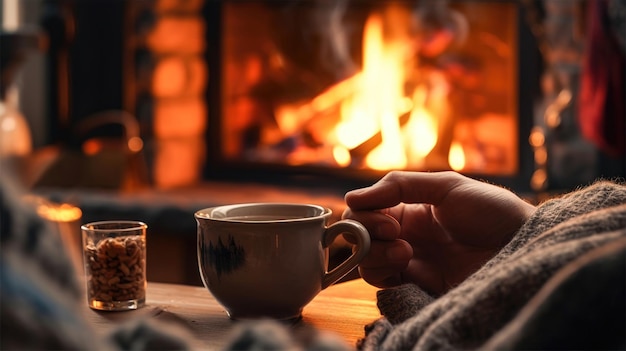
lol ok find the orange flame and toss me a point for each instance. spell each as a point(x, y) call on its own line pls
point(375, 104)
point(380, 101)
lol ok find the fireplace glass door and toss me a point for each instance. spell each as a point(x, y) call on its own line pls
point(371, 85)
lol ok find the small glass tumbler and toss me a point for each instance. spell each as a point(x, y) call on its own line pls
point(114, 254)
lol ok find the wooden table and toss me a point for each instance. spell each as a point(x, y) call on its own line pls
point(342, 309)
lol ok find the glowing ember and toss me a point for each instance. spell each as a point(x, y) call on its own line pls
point(456, 157)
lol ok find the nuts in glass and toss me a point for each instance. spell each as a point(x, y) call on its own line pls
point(115, 268)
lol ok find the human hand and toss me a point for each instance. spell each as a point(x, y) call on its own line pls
point(433, 229)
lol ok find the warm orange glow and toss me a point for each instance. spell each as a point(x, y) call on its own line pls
point(178, 5)
point(456, 158)
point(177, 42)
point(537, 137)
point(360, 114)
point(183, 35)
point(178, 161)
point(180, 117)
point(169, 77)
point(421, 131)
point(92, 147)
point(541, 156)
point(539, 179)
point(197, 76)
point(135, 144)
point(290, 118)
point(59, 213)
point(342, 156)
point(384, 76)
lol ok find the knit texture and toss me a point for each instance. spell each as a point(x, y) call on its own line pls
point(466, 317)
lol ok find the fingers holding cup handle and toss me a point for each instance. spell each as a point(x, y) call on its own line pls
point(359, 235)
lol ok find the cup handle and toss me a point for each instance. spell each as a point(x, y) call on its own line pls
point(362, 238)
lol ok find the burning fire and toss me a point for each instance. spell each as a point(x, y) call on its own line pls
point(381, 125)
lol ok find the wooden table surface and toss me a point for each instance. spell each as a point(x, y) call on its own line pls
point(342, 309)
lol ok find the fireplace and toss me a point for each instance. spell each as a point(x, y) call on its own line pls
point(298, 92)
point(348, 90)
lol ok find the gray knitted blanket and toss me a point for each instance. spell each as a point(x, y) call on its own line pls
point(559, 284)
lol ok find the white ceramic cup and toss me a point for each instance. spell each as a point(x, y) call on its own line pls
point(269, 260)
